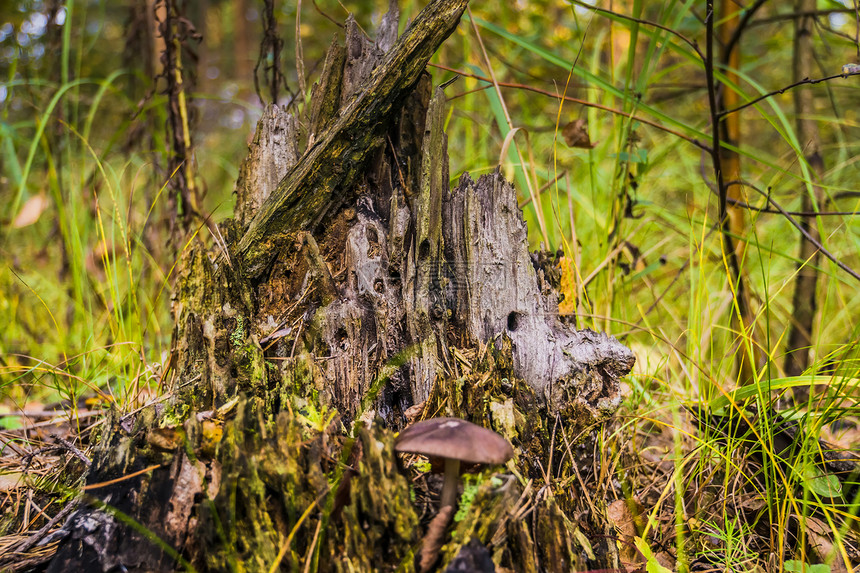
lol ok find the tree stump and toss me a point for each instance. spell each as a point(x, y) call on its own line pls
point(352, 292)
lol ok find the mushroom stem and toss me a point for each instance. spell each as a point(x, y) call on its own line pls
point(434, 540)
point(452, 480)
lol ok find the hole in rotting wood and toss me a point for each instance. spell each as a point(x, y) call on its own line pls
point(513, 321)
point(373, 243)
point(342, 338)
point(393, 274)
point(424, 249)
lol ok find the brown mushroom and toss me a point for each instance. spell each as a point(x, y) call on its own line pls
point(453, 440)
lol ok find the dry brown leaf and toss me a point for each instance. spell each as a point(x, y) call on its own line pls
point(665, 559)
point(11, 481)
point(819, 537)
point(575, 134)
point(619, 514)
point(30, 211)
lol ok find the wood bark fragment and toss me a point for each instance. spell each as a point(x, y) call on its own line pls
point(325, 95)
point(308, 191)
point(272, 153)
point(498, 292)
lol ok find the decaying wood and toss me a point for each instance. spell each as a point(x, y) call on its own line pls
point(310, 191)
point(357, 287)
point(499, 291)
point(272, 153)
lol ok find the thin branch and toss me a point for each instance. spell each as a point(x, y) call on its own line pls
point(583, 102)
point(686, 40)
point(716, 160)
point(836, 33)
point(715, 115)
point(804, 81)
point(74, 450)
point(749, 207)
point(39, 535)
point(806, 234)
point(796, 15)
point(746, 18)
point(546, 186)
point(326, 16)
point(765, 210)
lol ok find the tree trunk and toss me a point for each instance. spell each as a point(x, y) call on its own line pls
point(804, 299)
point(743, 320)
point(356, 294)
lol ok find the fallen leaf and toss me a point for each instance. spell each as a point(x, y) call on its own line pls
point(11, 481)
point(575, 134)
point(819, 538)
point(30, 211)
point(620, 515)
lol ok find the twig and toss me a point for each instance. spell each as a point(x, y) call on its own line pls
point(794, 15)
point(36, 537)
point(675, 33)
point(326, 16)
point(583, 102)
point(804, 81)
point(715, 116)
point(739, 203)
point(716, 160)
point(809, 237)
point(49, 414)
point(546, 186)
point(765, 210)
point(27, 459)
point(746, 17)
point(71, 447)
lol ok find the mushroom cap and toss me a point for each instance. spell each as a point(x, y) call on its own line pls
point(454, 438)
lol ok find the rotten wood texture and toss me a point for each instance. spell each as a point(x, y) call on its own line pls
point(272, 153)
point(498, 291)
point(358, 292)
point(323, 176)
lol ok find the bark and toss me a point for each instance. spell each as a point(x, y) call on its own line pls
point(805, 287)
point(356, 293)
point(748, 353)
point(309, 193)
